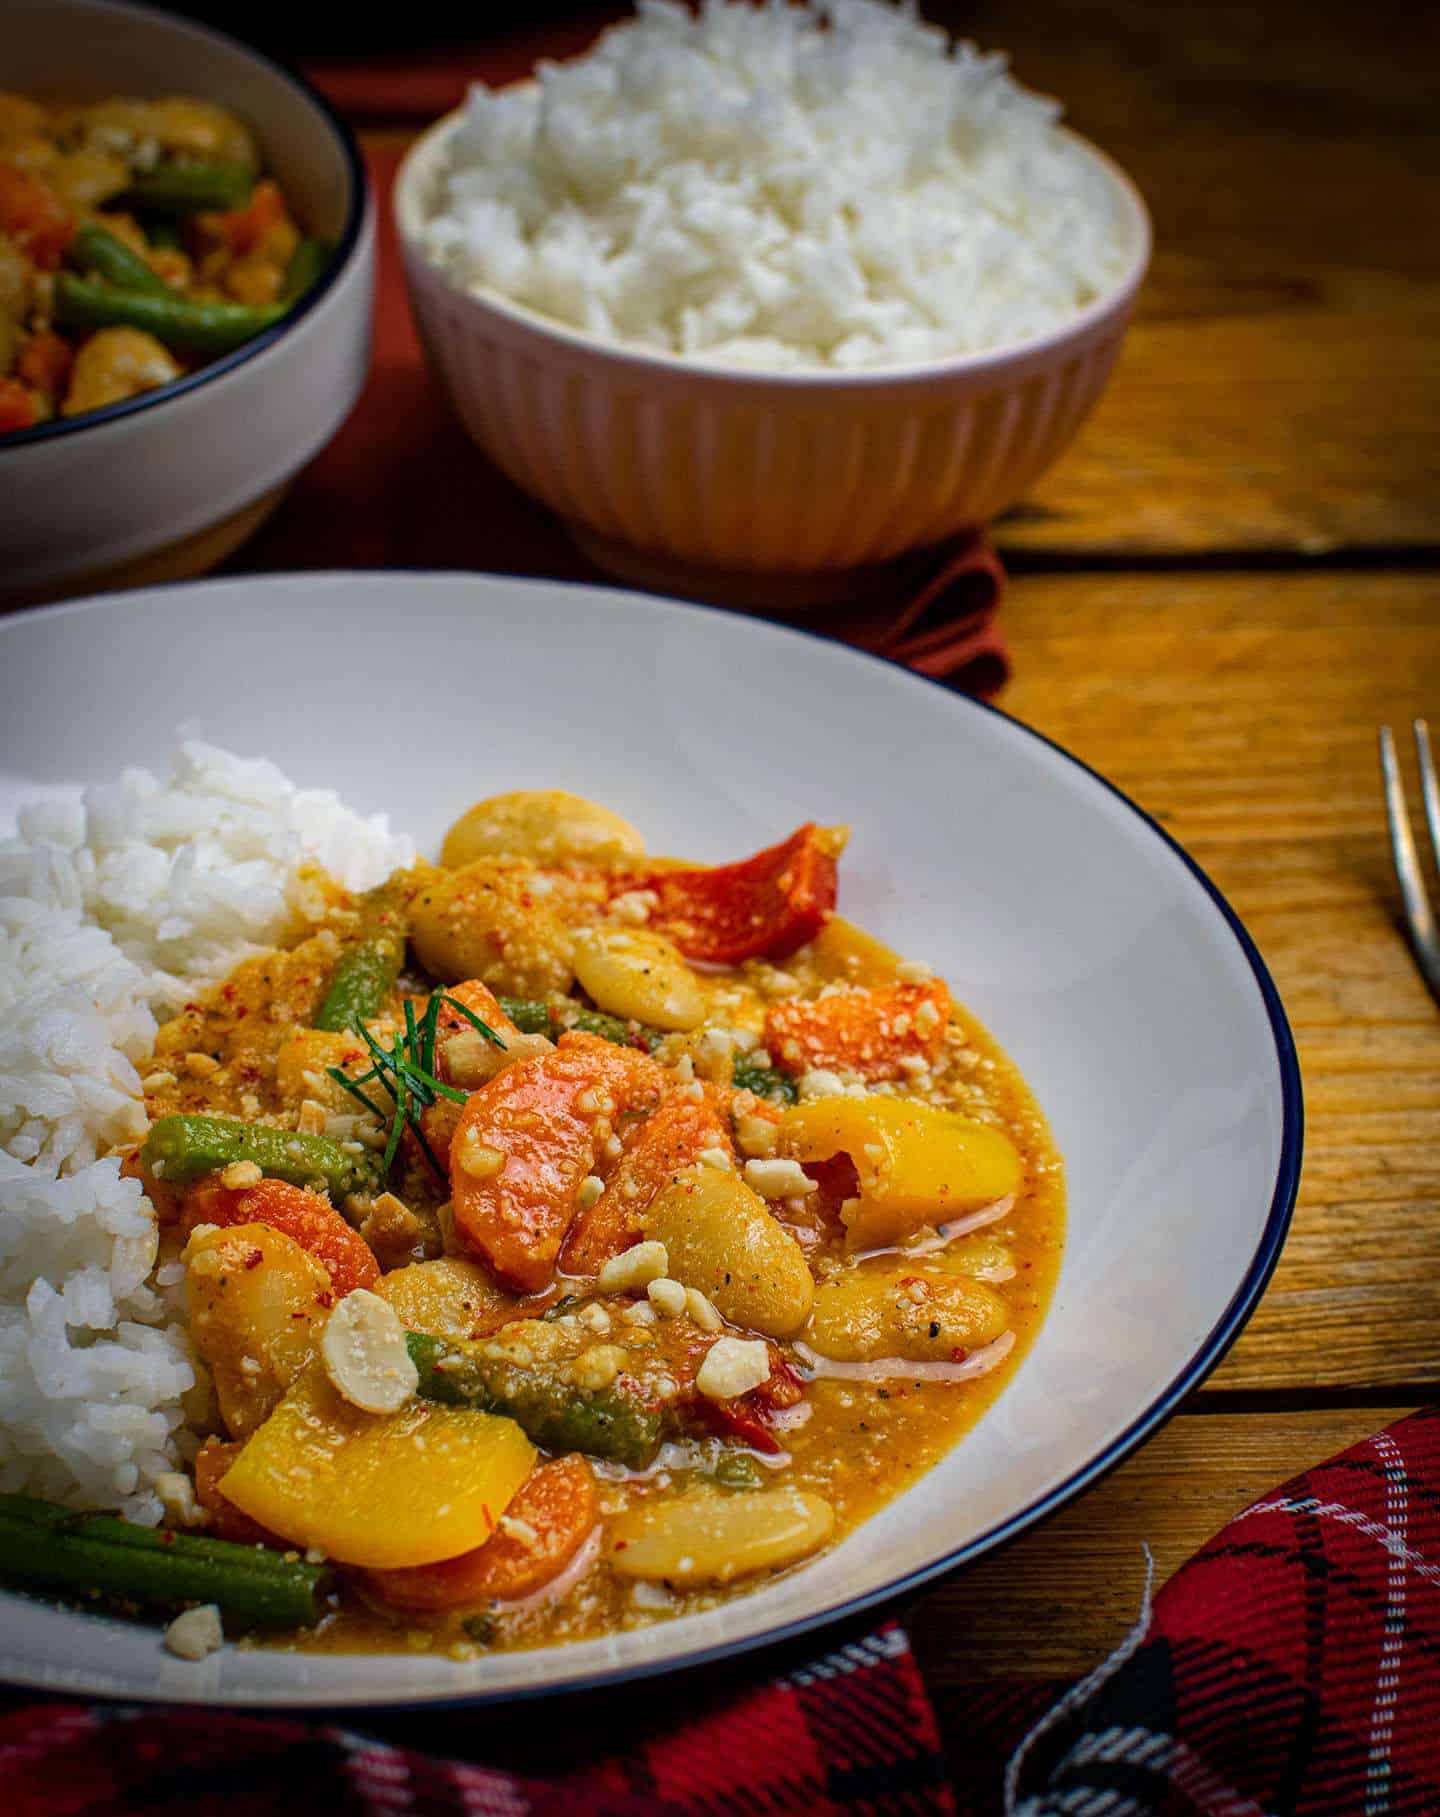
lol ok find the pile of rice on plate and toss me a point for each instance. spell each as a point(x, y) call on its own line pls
point(116, 905)
point(830, 185)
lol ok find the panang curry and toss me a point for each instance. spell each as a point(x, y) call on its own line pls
point(139, 239)
point(573, 1238)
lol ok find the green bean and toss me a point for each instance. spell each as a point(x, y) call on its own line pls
point(95, 249)
point(764, 1081)
point(306, 268)
point(184, 1148)
point(43, 1547)
point(362, 980)
point(529, 1016)
point(367, 970)
point(609, 1422)
point(738, 1470)
point(614, 1028)
point(178, 322)
point(534, 1018)
point(184, 188)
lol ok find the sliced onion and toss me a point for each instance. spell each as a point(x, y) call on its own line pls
point(566, 1581)
point(898, 1368)
point(946, 1234)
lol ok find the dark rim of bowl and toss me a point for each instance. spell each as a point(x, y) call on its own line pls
point(1203, 1360)
point(227, 362)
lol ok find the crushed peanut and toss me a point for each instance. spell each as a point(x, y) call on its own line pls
point(364, 1353)
point(240, 1175)
point(778, 1178)
point(635, 1268)
point(733, 1366)
point(390, 1228)
point(701, 1312)
point(667, 1297)
point(634, 906)
point(313, 1119)
point(598, 1367)
point(177, 1498)
point(196, 1634)
point(756, 1137)
point(475, 1158)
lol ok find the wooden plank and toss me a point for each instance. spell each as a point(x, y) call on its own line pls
point(1060, 1598)
point(1279, 389)
point(1241, 711)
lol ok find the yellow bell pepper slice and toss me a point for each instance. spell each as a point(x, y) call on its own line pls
point(916, 1164)
point(382, 1490)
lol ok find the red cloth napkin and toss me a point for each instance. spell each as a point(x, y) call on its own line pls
point(852, 1732)
point(402, 486)
point(1292, 1666)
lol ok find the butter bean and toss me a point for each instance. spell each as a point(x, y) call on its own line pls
point(704, 1538)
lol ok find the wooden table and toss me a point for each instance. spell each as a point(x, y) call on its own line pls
point(1219, 594)
point(1222, 590)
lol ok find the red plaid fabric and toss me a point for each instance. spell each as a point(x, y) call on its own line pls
point(1292, 1666)
point(852, 1732)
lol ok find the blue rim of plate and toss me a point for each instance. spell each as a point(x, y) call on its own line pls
point(251, 349)
point(1209, 1354)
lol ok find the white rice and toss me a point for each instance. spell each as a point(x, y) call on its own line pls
point(116, 904)
point(778, 186)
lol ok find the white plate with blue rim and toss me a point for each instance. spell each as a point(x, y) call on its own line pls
point(1101, 957)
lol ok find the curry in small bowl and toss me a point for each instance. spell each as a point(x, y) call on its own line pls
point(139, 239)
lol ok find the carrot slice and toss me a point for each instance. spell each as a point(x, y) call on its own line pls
point(19, 406)
point(672, 1138)
point(766, 906)
point(34, 216)
point(212, 1461)
point(524, 1143)
point(46, 362)
point(870, 1032)
point(556, 1502)
point(311, 1221)
point(244, 228)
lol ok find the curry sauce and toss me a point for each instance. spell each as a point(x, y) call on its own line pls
point(686, 1264)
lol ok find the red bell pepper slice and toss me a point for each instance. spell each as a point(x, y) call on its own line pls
point(747, 1418)
point(766, 906)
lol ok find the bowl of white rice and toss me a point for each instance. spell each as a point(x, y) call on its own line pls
point(761, 296)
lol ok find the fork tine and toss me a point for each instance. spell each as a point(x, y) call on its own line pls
point(1429, 788)
point(1418, 916)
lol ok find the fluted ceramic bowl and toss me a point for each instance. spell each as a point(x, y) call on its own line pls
point(752, 487)
point(166, 484)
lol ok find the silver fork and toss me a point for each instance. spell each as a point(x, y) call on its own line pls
point(1419, 916)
